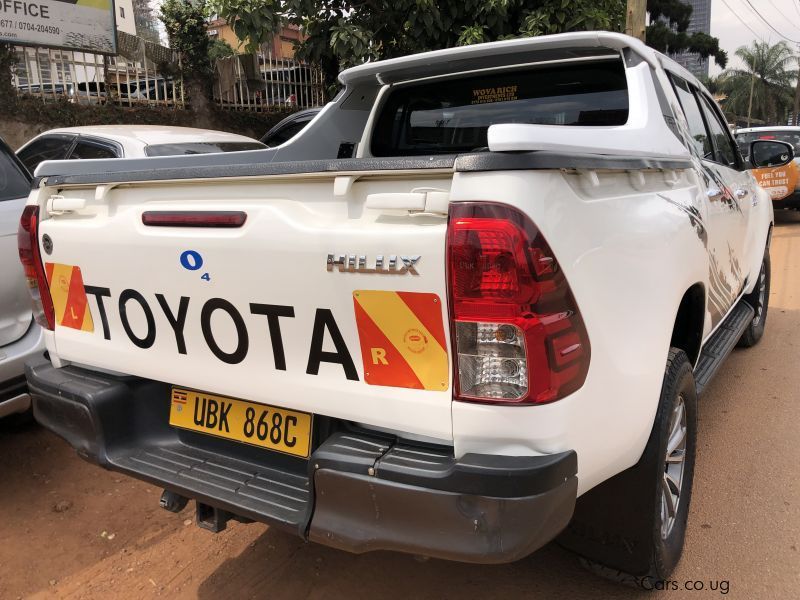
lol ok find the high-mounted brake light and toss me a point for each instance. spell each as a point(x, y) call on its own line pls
point(517, 331)
point(194, 218)
point(28, 244)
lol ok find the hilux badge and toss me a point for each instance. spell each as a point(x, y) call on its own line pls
point(382, 265)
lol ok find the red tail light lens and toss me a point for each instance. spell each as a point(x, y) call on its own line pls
point(28, 243)
point(518, 333)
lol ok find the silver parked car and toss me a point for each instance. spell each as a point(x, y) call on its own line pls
point(20, 336)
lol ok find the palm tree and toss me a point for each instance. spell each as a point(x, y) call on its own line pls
point(763, 88)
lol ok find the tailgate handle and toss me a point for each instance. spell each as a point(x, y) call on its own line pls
point(419, 200)
point(58, 205)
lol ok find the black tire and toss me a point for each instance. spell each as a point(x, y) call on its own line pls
point(618, 528)
point(759, 300)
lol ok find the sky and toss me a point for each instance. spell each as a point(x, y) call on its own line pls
point(736, 24)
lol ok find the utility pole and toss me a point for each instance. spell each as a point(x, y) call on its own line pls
point(636, 18)
point(750, 104)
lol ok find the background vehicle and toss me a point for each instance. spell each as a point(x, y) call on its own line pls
point(289, 127)
point(486, 330)
point(128, 141)
point(789, 134)
point(20, 337)
point(55, 89)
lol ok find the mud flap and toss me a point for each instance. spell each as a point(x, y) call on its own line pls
point(613, 523)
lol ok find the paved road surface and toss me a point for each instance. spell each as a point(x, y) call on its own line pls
point(71, 530)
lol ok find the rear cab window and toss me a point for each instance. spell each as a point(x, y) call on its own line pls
point(453, 115)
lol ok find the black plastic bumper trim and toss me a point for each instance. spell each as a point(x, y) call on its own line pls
point(480, 508)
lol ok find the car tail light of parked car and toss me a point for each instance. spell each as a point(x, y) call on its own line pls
point(28, 243)
point(517, 331)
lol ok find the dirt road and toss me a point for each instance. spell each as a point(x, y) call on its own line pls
point(71, 530)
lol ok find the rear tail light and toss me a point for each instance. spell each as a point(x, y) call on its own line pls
point(28, 243)
point(517, 331)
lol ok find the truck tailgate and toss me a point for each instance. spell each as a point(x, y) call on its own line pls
point(256, 312)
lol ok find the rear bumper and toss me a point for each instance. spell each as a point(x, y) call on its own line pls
point(358, 492)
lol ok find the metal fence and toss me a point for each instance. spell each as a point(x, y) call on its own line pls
point(265, 80)
point(130, 78)
point(254, 82)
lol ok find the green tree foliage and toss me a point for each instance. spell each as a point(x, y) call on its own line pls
point(669, 20)
point(343, 33)
point(185, 23)
point(771, 71)
point(219, 49)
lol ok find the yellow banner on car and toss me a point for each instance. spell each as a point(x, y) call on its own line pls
point(402, 339)
point(779, 182)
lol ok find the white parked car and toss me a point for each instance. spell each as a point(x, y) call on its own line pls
point(129, 141)
point(20, 337)
point(487, 329)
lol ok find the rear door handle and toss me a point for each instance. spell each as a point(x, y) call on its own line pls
point(714, 193)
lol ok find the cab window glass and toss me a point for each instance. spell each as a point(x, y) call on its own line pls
point(286, 133)
point(725, 148)
point(45, 148)
point(454, 115)
point(88, 150)
point(697, 128)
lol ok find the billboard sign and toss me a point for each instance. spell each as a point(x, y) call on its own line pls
point(86, 25)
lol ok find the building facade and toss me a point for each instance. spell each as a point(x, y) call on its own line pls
point(282, 44)
point(700, 22)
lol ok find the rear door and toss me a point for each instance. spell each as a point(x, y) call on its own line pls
point(733, 173)
point(15, 307)
point(724, 219)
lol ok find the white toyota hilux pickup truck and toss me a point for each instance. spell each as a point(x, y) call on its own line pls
point(466, 311)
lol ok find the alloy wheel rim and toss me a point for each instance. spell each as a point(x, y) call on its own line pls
point(674, 463)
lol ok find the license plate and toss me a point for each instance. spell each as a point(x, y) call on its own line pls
point(261, 425)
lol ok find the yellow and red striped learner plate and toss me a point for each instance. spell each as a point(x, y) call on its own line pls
point(402, 339)
point(69, 297)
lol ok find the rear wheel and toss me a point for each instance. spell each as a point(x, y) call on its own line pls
point(759, 300)
point(631, 528)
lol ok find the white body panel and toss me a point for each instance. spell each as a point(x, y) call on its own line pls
point(631, 242)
